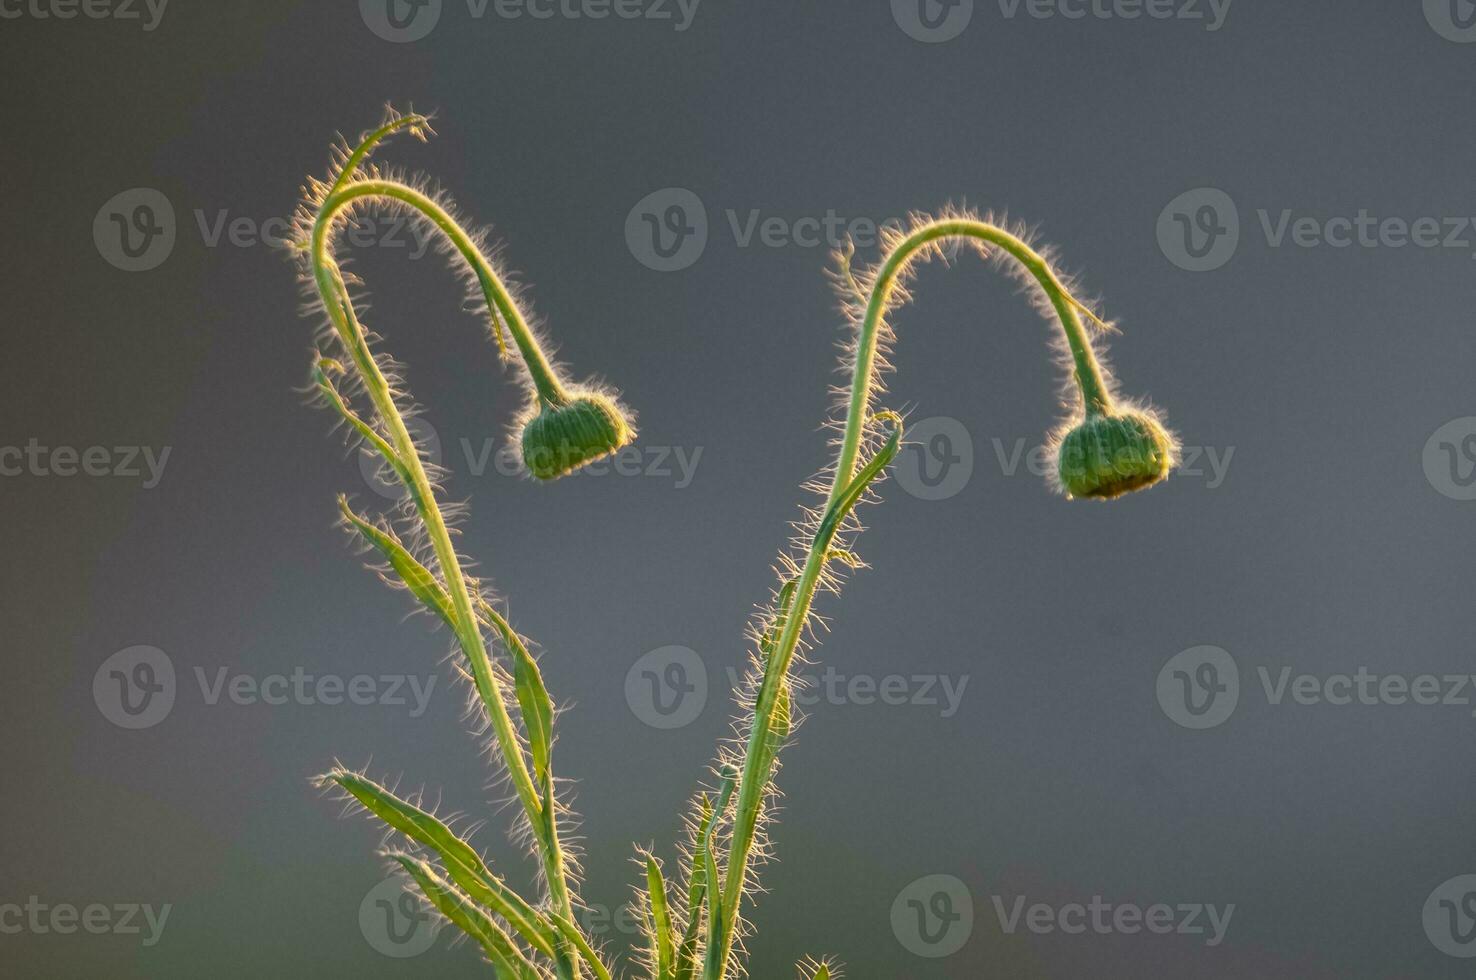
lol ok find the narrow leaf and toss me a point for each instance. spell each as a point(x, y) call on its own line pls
point(533, 699)
point(586, 951)
point(686, 964)
point(321, 370)
point(660, 919)
point(698, 877)
point(463, 863)
point(781, 616)
point(782, 723)
point(417, 578)
point(417, 124)
point(471, 920)
point(863, 478)
point(713, 960)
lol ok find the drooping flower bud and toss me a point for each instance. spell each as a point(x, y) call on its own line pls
point(1106, 456)
point(561, 438)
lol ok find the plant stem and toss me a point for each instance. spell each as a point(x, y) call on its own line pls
point(334, 293)
point(1095, 400)
point(499, 300)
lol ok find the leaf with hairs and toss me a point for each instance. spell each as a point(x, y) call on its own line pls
point(781, 615)
point(686, 960)
point(417, 578)
point(321, 369)
point(498, 945)
point(713, 959)
point(660, 919)
point(576, 937)
point(533, 699)
point(462, 862)
point(782, 724)
point(687, 951)
point(863, 478)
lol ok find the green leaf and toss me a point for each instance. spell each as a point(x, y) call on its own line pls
point(782, 723)
point(462, 862)
point(533, 699)
point(853, 490)
point(417, 578)
point(687, 951)
point(781, 616)
point(697, 878)
point(713, 960)
point(660, 919)
point(417, 124)
point(499, 947)
point(321, 370)
point(571, 932)
point(812, 969)
point(697, 891)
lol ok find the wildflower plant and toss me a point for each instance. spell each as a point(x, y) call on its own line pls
point(694, 917)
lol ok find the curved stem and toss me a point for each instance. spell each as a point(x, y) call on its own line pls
point(499, 300)
point(1087, 373)
point(330, 285)
point(415, 123)
point(1095, 399)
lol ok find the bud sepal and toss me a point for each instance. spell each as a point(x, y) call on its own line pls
point(1108, 455)
point(559, 439)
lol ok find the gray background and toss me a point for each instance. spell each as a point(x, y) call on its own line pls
point(1324, 548)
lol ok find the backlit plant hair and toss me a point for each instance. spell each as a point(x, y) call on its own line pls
point(695, 929)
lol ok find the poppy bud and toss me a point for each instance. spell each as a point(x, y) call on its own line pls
point(561, 438)
point(1106, 456)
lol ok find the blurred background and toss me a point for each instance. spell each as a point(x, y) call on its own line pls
point(1237, 707)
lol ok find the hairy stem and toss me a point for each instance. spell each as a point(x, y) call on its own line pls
point(499, 300)
point(758, 758)
point(331, 287)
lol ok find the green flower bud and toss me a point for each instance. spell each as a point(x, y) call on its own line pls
point(1106, 456)
point(561, 438)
